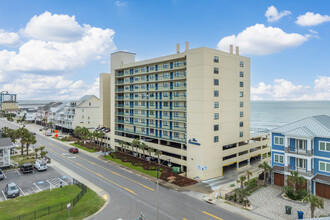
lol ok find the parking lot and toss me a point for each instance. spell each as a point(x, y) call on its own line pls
point(33, 182)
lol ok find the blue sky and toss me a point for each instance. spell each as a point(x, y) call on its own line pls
point(56, 49)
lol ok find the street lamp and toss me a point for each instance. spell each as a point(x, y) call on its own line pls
point(169, 164)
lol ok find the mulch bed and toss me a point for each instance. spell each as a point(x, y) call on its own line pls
point(166, 174)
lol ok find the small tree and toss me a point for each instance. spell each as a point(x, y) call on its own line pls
point(150, 150)
point(248, 174)
point(41, 148)
point(43, 154)
point(30, 139)
point(241, 180)
point(265, 166)
point(143, 148)
point(314, 202)
point(135, 143)
point(122, 143)
point(36, 150)
point(158, 153)
point(77, 132)
point(295, 180)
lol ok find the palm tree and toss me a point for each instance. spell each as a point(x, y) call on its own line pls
point(158, 153)
point(5, 131)
point(30, 139)
point(36, 151)
point(241, 180)
point(50, 124)
point(99, 134)
point(84, 134)
point(295, 180)
point(248, 174)
point(135, 143)
point(13, 135)
point(150, 150)
point(22, 133)
point(41, 148)
point(44, 121)
point(265, 166)
point(315, 202)
point(143, 147)
point(122, 143)
point(43, 154)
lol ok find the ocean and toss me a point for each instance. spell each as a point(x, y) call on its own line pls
point(264, 114)
point(272, 114)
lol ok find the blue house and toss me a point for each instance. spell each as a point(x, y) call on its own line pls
point(303, 146)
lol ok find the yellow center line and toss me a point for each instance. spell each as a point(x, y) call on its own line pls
point(109, 170)
point(212, 215)
point(95, 173)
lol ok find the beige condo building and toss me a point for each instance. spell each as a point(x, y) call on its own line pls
point(193, 106)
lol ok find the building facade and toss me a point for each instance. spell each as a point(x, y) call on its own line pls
point(303, 146)
point(193, 106)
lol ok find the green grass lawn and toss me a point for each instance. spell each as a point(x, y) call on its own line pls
point(138, 168)
point(59, 139)
point(24, 159)
point(89, 204)
point(26, 204)
point(83, 148)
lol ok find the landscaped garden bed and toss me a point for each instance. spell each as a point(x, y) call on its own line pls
point(150, 168)
point(87, 146)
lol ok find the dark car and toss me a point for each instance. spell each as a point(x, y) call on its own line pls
point(26, 168)
point(11, 190)
point(73, 150)
point(1, 175)
point(33, 133)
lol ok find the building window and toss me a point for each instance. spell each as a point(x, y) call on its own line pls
point(165, 113)
point(165, 123)
point(176, 124)
point(143, 77)
point(165, 133)
point(241, 124)
point(241, 74)
point(165, 66)
point(176, 94)
point(241, 94)
point(152, 130)
point(241, 84)
point(216, 128)
point(177, 84)
point(152, 68)
point(216, 82)
point(176, 104)
point(241, 134)
point(216, 104)
point(90, 104)
point(216, 59)
point(216, 116)
point(165, 75)
point(278, 140)
point(165, 104)
point(278, 158)
point(324, 166)
point(241, 64)
point(151, 121)
point(177, 74)
point(165, 94)
point(176, 134)
point(176, 114)
point(152, 86)
point(165, 84)
point(216, 93)
point(241, 114)
point(216, 139)
point(216, 70)
point(152, 77)
point(324, 146)
point(301, 163)
point(82, 110)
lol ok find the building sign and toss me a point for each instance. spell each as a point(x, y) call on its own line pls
point(202, 168)
point(194, 141)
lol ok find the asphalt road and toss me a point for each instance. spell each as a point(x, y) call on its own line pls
point(131, 194)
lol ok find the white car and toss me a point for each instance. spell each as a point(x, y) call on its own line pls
point(40, 165)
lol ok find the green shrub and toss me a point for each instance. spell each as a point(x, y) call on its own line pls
point(288, 190)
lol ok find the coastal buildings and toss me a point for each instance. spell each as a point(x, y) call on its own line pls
point(5, 146)
point(66, 116)
point(303, 146)
point(8, 102)
point(193, 106)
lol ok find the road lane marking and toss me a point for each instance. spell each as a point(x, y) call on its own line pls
point(120, 186)
point(21, 190)
point(212, 215)
point(4, 194)
point(18, 172)
point(37, 187)
point(147, 187)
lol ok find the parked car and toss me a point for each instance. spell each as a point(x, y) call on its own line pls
point(73, 150)
point(11, 190)
point(33, 133)
point(26, 168)
point(2, 176)
point(48, 134)
point(40, 165)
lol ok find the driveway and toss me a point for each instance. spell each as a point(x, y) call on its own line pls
point(268, 202)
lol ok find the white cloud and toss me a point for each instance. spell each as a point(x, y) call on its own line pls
point(272, 14)
point(8, 38)
point(30, 86)
point(285, 90)
point(48, 27)
point(261, 40)
point(311, 19)
point(120, 4)
point(67, 47)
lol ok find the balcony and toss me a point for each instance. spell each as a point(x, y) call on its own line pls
point(119, 97)
point(119, 105)
point(301, 171)
point(304, 152)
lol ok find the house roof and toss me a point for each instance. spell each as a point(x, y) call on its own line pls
point(322, 178)
point(5, 142)
point(314, 126)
